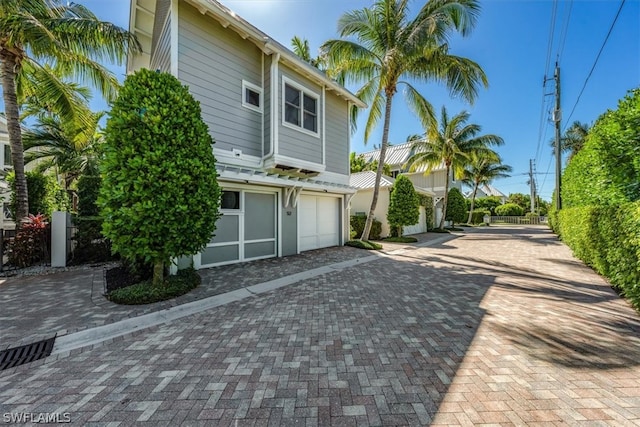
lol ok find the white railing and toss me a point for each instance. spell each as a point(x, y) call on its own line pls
point(529, 220)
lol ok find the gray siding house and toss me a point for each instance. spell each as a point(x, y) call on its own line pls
point(281, 128)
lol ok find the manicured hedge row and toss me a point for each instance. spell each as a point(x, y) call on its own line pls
point(608, 239)
point(477, 216)
point(357, 227)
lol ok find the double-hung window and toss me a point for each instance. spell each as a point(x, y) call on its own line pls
point(300, 108)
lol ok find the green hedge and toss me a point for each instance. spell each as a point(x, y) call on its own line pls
point(509, 209)
point(477, 217)
point(357, 227)
point(607, 239)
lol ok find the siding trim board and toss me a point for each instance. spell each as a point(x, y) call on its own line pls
point(175, 25)
point(278, 159)
point(324, 133)
point(274, 105)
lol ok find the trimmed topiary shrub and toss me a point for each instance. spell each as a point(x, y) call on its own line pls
point(404, 208)
point(357, 226)
point(456, 207)
point(509, 209)
point(159, 197)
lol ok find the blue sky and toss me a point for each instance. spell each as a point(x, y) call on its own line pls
point(510, 42)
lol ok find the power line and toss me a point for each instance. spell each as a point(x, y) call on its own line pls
point(563, 34)
point(552, 29)
point(595, 63)
point(546, 174)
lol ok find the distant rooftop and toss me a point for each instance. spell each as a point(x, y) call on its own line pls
point(396, 156)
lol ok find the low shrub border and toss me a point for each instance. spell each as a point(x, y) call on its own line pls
point(403, 239)
point(357, 226)
point(146, 293)
point(364, 244)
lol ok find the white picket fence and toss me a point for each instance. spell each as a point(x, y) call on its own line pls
point(528, 220)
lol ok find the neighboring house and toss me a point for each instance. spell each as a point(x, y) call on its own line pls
point(434, 181)
point(281, 128)
point(487, 190)
point(361, 202)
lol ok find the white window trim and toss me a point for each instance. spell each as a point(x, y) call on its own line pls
point(306, 91)
point(247, 85)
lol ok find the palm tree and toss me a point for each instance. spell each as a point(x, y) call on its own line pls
point(482, 169)
point(71, 40)
point(451, 143)
point(68, 148)
point(382, 47)
point(301, 49)
point(574, 138)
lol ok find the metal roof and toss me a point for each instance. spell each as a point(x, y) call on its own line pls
point(367, 180)
point(490, 190)
point(397, 156)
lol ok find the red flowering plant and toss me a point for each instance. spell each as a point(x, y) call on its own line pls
point(30, 244)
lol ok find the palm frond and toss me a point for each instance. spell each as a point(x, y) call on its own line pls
point(420, 106)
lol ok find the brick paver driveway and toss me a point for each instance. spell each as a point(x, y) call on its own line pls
point(500, 326)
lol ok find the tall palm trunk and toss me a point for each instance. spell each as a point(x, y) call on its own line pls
point(9, 65)
point(446, 197)
point(383, 152)
point(473, 200)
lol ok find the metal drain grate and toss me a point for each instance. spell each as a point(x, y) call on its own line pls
point(17, 356)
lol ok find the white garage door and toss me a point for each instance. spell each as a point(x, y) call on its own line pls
point(319, 219)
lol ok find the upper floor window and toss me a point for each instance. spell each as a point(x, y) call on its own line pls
point(251, 96)
point(300, 108)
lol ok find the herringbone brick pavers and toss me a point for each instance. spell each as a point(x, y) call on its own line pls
point(499, 327)
point(37, 307)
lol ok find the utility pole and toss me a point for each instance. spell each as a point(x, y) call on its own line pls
point(557, 116)
point(532, 184)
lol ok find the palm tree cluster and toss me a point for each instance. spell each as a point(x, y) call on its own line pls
point(44, 46)
point(383, 48)
point(464, 153)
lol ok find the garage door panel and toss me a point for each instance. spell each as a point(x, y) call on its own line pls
point(226, 229)
point(219, 254)
point(243, 234)
point(308, 216)
point(319, 222)
point(259, 249)
point(259, 216)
